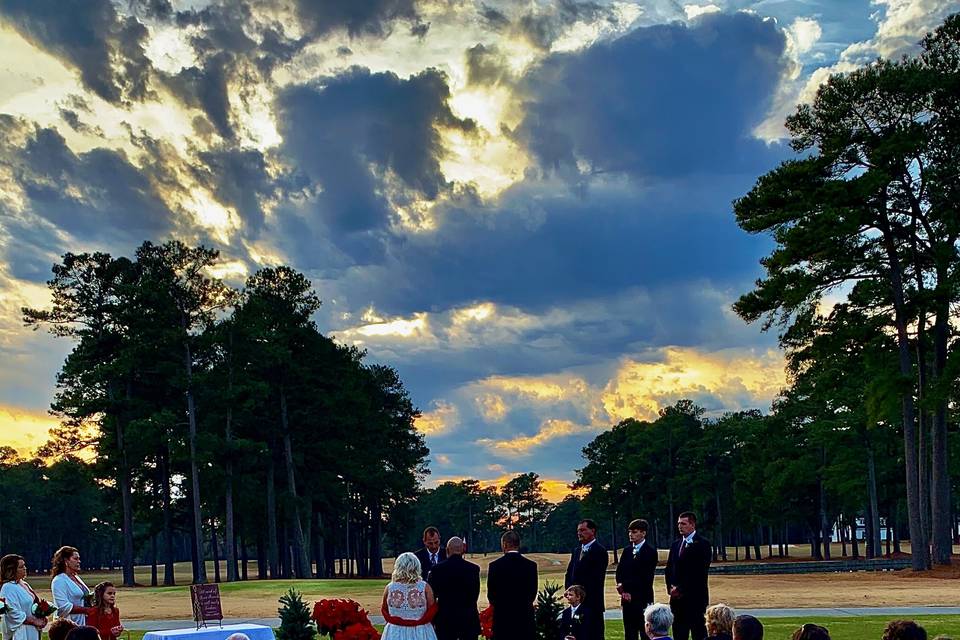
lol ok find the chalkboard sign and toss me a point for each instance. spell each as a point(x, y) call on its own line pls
point(206, 604)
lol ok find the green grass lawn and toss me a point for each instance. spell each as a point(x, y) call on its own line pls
point(845, 628)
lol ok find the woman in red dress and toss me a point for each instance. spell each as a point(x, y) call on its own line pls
point(106, 616)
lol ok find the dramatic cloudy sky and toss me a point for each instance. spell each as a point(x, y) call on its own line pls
point(523, 205)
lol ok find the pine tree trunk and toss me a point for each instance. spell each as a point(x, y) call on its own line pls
point(200, 566)
point(721, 545)
point(301, 564)
point(273, 550)
point(153, 560)
point(874, 502)
point(920, 557)
point(941, 520)
point(169, 578)
point(854, 543)
point(126, 497)
point(229, 534)
point(214, 548)
point(824, 518)
point(376, 561)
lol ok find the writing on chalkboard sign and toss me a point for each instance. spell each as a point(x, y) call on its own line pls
point(206, 604)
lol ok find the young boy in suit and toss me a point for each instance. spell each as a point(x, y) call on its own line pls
point(574, 620)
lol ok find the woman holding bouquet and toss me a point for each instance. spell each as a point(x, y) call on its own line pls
point(19, 621)
point(71, 596)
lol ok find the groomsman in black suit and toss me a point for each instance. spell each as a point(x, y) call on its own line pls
point(588, 567)
point(456, 586)
point(430, 554)
point(686, 574)
point(638, 563)
point(511, 590)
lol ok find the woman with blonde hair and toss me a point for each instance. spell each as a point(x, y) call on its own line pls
point(719, 621)
point(72, 597)
point(408, 603)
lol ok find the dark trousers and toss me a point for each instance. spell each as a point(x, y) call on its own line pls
point(633, 627)
point(596, 625)
point(688, 620)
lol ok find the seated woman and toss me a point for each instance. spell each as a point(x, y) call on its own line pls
point(719, 622)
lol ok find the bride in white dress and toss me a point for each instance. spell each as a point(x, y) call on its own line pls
point(408, 597)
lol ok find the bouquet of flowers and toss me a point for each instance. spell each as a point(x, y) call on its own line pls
point(358, 631)
point(88, 599)
point(43, 609)
point(4, 607)
point(486, 622)
point(343, 619)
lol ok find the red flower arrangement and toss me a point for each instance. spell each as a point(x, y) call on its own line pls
point(486, 622)
point(358, 631)
point(43, 609)
point(343, 619)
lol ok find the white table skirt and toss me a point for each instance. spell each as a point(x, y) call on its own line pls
point(213, 631)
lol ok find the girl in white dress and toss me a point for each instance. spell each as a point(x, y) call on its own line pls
point(69, 589)
point(408, 597)
point(18, 623)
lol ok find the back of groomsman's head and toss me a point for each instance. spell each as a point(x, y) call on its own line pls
point(431, 539)
point(510, 541)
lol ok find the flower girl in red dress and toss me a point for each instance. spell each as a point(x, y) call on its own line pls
point(106, 615)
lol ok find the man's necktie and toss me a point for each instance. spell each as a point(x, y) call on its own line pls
point(433, 558)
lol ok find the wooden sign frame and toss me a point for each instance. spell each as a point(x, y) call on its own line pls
point(205, 599)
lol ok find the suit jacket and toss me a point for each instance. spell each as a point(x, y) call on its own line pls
point(456, 586)
point(635, 573)
point(589, 570)
point(576, 627)
point(511, 590)
point(688, 571)
point(424, 556)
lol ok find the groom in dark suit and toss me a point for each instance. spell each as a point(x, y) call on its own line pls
point(511, 590)
point(638, 563)
point(456, 586)
point(686, 575)
point(588, 567)
point(430, 554)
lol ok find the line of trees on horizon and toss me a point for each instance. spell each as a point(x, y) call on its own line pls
point(221, 422)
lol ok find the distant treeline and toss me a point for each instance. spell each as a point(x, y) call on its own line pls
point(223, 423)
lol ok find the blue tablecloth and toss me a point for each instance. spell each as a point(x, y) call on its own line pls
point(213, 632)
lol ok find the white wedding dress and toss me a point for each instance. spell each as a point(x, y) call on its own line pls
point(408, 601)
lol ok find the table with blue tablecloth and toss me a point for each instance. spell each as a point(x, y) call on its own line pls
point(252, 631)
